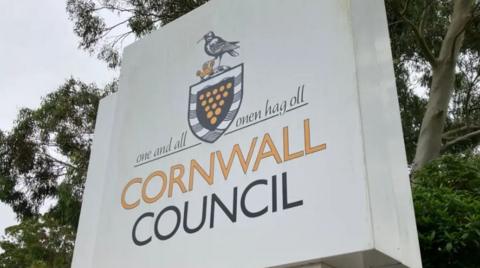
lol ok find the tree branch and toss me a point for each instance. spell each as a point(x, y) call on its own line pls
point(130, 10)
point(423, 43)
point(460, 139)
point(59, 161)
point(426, 51)
point(449, 133)
point(459, 34)
point(118, 24)
point(405, 7)
point(475, 108)
point(452, 42)
point(109, 29)
point(424, 15)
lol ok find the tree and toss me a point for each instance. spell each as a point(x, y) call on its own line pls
point(412, 109)
point(39, 242)
point(434, 36)
point(43, 162)
point(45, 156)
point(137, 17)
point(464, 118)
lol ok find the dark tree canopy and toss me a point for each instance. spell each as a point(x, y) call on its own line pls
point(45, 155)
point(38, 243)
point(447, 207)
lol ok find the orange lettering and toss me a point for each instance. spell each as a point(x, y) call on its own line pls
point(194, 165)
point(126, 205)
point(176, 179)
point(154, 174)
point(236, 151)
point(267, 140)
point(308, 146)
point(286, 148)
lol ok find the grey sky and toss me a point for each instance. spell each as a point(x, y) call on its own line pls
point(38, 52)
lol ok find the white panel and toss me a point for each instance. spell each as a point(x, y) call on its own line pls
point(389, 186)
point(94, 186)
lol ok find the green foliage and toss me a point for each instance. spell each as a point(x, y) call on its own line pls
point(464, 116)
point(412, 109)
point(45, 156)
point(37, 243)
point(447, 205)
point(411, 23)
point(137, 17)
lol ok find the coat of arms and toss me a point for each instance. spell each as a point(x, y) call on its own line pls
point(215, 100)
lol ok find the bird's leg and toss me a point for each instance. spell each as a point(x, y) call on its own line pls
point(220, 62)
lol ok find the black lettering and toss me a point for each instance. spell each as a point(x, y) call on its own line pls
point(185, 216)
point(274, 193)
point(134, 230)
point(177, 225)
point(231, 215)
point(287, 205)
point(247, 212)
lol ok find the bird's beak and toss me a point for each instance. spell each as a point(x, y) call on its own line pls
point(200, 40)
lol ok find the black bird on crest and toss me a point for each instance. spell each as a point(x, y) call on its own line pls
point(216, 46)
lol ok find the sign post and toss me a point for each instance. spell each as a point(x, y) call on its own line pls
point(253, 134)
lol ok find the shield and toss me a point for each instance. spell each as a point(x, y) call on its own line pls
point(214, 104)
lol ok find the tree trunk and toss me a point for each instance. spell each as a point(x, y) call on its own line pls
point(443, 77)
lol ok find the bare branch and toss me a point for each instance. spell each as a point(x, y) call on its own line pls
point(426, 50)
point(405, 7)
point(395, 22)
point(120, 37)
point(475, 108)
point(109, 29)
point(449, 133)
point(118, 24)
point(130, 10)
point(424, 16)
point(460, 139)
point(59, 161)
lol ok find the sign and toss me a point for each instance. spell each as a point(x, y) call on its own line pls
point(253, 134)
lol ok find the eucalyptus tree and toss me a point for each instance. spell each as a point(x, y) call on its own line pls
point(134, 18)
point(437, 40)
point(45, 156)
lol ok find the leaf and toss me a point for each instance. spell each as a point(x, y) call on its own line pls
point(449, 247)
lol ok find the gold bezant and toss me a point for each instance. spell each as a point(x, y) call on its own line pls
point(209, 114)
point(213, 120)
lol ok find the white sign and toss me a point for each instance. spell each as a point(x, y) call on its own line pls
point(275, 140)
